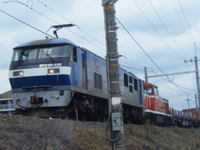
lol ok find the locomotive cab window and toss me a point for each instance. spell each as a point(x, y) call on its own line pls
point(149, 90)
point(131, 88)
point(23, 55)
point(27, 54)
point(74, 54)
point(53, 52)
point(130, 79)
point(135, 84)
point(97, 81)
point(125, 80)
point(155, 90)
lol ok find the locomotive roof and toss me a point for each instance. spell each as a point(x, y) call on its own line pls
point(45, 42)
point(149, 84)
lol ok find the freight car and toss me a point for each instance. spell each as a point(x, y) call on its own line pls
point(183, 119)
point(57, 78)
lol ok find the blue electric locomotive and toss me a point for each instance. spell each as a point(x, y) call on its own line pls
point(55, 76)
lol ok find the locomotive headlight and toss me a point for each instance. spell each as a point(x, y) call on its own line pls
point(53, 70)
point(18, 73)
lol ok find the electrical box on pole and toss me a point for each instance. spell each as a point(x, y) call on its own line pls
point(117, 128)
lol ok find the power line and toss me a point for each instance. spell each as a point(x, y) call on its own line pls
point(132, 68)
point(88, 41)
point(46, 17)
point(185, 19)
point(157, 75)
point(180, 88)
point(32, 9)
point(165, 26)
point(64, 18)
point(130, 64)
point(144, 51)
point(155, 29)
point(51, 9)
point(26, 24)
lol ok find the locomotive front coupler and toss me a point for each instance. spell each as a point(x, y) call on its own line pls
point(36, 100)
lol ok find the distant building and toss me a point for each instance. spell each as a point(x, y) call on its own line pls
point(6, 106)
point(193, 111)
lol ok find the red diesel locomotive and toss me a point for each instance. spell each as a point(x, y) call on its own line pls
point(156, 108)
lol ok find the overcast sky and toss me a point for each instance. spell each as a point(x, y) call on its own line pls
point(160, 27)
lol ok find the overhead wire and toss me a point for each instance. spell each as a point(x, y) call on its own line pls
point(125, 60)
point(177, 84)
point(185, 19)
point(64, 18)
point(34, 10)
point(165, 27)
point(132, 68)
point(46, 17)
point(117, 20)
point(156, 31)
point(6, 13)
point(92, 37)
point(148, 56)
point(54, 21)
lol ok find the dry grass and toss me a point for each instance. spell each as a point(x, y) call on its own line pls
point(24, 133)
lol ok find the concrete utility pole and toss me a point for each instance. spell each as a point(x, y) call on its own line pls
point(117, 129)
point(195, 60)
point(196, 102)
point(197, 79)
point(145, 74)
point(188, 100)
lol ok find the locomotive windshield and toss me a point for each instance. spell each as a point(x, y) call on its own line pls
point(151, 90)
point(42, 53)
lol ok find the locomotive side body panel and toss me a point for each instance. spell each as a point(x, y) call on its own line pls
point(131, 89)
point(92, 78)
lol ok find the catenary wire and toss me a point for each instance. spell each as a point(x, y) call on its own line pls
point(64, 18)
point(132, 68)
point(34, 10)
point(26, 24)
point(46, 17)
point(156, 31)
point(148, 56)
point(53, 37)
point(165, 27)
point(177, 84)
point(185, 19)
